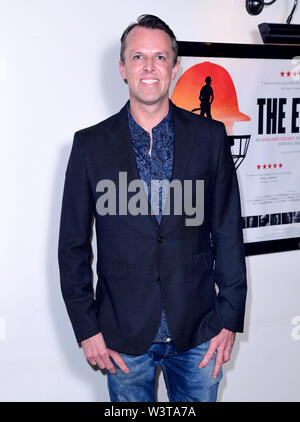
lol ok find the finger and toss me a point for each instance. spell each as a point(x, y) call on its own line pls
point(218, 364)
point(208, 355)
point(119, 361)
point(100, 363)
point(227, 353)
point(108, 364)
point(90, 358)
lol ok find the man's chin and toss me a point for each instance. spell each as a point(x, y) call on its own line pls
point(149, 101)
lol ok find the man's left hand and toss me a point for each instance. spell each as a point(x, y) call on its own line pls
point(223, 343)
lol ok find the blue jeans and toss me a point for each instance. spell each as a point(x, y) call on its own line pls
point(185, 382)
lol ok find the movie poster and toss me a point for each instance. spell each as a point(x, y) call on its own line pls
point(259, 103)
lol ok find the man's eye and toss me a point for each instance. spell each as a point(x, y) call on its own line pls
point(161, 58)
point(137, 57)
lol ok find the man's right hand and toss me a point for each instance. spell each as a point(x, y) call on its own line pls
point(97, 353)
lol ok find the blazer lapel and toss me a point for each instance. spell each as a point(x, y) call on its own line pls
point(182, 143)
point(182, 148)
point(120, 143)
point(123, 150)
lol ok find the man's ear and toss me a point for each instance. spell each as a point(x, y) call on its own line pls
point(122, 69)
point(175, 70)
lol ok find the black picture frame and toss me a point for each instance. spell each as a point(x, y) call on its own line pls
point(255, 51)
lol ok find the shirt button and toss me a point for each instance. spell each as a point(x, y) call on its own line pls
point(160, 239)
point(158, 281)
point(168, 339)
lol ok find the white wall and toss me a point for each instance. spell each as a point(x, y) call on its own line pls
point(58, 73)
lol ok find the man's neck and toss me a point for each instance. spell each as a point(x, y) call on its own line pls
point(149, 116)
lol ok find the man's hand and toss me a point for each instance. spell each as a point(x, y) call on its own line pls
point(97, 353)
point(223, 343)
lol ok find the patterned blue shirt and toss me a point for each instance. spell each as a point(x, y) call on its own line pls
point(158, 166)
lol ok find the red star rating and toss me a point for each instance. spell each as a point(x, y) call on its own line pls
point(288, 74)
point(268, 166)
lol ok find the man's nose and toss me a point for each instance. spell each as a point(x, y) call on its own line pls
point(149, 65)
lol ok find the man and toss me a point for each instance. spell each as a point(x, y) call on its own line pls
point(156, 301)
point(206, 98)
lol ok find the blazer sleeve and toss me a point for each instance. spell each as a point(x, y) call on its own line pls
point(227, 241)
point(74, 247)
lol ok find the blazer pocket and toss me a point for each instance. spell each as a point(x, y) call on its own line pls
point(112, 268)
point(203, 261)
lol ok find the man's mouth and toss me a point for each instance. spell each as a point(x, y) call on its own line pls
point(149, 81)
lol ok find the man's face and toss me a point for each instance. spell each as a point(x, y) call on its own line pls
point(148, 65)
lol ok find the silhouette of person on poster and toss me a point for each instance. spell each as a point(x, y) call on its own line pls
point(206, 97)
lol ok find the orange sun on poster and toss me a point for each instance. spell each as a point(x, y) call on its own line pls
point(214, 82)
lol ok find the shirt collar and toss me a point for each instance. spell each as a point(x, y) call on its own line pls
point(165, 125)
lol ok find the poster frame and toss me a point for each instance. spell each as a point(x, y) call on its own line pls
point(247, 51)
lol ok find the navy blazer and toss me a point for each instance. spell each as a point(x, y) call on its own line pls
point(143, 266)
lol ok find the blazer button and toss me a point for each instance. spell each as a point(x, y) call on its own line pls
point(160, 239)
point(158, 281)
